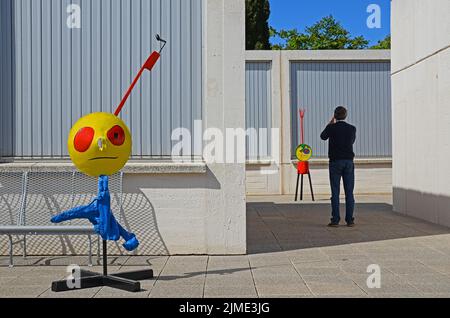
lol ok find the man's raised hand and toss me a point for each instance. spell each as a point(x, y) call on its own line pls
point(332, 121)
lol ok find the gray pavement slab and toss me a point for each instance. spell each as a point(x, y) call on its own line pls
point(327, 289)
point(10, 291)
point(107, 292)
point(84, 293)
point(176, 290)
point(227, 290)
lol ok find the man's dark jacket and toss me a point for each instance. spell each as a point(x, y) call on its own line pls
point(341, 137)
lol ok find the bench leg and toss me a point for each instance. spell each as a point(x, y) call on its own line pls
point(90, 251)
point(11, 251)
point(24, 246)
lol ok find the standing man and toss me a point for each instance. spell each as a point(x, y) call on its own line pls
point(341, 136)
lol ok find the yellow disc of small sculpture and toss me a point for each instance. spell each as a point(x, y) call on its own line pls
point(99, 144)
point(303, 152)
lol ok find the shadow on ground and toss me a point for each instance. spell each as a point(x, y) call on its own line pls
point(222, 272)
point(274, 227)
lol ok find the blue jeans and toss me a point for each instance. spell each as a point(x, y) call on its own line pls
point(344, 169)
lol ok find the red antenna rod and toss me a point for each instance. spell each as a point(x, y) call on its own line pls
point(302, 129)
point(148, 65)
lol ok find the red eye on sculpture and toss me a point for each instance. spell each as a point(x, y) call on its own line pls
point(83, 139)
point(116, 135)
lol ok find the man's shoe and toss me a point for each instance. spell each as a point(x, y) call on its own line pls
point(351, 224)
point(332, 224)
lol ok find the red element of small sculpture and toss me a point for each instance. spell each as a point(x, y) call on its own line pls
point(303, 167)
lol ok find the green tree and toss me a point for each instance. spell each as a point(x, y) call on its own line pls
point(326, 34)
point(384, 44)
point(257, 24)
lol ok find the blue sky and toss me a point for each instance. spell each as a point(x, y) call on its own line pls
point(289, 14)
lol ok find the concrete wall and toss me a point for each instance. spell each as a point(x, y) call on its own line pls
point(371, 178)
point(421, 112)
point(277, 175)
point(167, 210)
point(225, 224)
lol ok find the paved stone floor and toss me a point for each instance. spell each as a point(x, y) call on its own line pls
point(291, 254)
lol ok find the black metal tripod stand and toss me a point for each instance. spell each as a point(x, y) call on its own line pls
point(125, 281)
point(301, 191)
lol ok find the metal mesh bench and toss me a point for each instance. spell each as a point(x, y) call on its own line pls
point(28, 200)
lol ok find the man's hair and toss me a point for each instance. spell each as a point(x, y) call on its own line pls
point(340, 113)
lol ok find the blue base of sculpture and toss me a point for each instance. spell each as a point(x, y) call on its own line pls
point(99, 213)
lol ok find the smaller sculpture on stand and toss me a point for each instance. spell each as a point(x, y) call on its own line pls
point(303, 154)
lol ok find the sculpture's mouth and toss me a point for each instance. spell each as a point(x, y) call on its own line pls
point(104, 158)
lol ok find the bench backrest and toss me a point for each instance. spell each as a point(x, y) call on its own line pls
point(11, 197)
point(45, 194)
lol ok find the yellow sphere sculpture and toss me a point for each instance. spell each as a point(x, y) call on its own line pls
point(303, 152)
point(99, 144)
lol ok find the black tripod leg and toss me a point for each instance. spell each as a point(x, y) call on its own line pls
point(301, 192)
point(311, 186)
point(296, 188)
point(122, 283)
point(136, 275)
point(85, 273)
